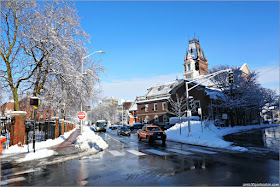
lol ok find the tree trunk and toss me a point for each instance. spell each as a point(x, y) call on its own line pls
point(15, 95)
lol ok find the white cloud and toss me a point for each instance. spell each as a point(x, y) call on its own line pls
point(269, 77)
point(129, 89)
point(268, 74)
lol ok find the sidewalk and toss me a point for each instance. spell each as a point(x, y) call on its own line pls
point(63, 152)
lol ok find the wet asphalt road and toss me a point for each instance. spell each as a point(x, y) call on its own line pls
point(128, 162)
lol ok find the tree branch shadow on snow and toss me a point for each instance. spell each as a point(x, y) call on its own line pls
point(95, 146)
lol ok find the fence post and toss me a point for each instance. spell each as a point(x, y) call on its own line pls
point(62, 126)
point(56, 125)
point(17, 128)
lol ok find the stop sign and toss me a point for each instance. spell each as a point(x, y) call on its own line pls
point(81, 115)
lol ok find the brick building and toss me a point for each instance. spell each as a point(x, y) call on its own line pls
point(8, 106)
point(154, 106)
point(43, 112)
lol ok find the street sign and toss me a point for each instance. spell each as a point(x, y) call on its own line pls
point(81, 115)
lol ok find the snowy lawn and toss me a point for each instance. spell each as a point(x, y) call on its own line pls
point(89, 141)
point(211, 136)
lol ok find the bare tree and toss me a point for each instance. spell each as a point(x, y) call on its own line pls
point(43, 46)
point(242, 98)
point(16, 67)
point(178, 107)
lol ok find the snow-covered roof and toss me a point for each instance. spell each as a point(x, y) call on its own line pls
point(163, 88)
point(202, 80)
point(245, 69)
point(214, 94)
point(154, 99)
point(133, 106)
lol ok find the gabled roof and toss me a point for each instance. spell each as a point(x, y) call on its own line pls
point(133, 106)
point(244, 68)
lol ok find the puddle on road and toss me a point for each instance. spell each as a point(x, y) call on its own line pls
point(260, 138)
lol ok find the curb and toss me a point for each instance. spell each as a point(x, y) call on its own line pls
point(69, 158)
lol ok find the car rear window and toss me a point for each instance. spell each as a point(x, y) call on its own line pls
point(153, 129)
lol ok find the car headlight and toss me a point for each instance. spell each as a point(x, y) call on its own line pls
point(98, 127)
point(151, 133)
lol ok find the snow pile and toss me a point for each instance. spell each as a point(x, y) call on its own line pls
point(37, 155)
point(90, 141)
point(15, 149)
point(211, 135)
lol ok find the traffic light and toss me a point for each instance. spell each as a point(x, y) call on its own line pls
point(191, 102)
point(34, 101)
point(230, 77)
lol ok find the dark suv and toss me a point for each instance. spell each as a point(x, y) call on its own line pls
point(136, 126)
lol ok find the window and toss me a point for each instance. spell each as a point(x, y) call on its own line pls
point(164, 106)
point(155, 107)
point(146, 108)
point(156, 119)
point(189, 67)
point(164, 118)
point(147, 119)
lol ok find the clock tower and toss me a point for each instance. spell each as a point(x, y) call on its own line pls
point(195, 62)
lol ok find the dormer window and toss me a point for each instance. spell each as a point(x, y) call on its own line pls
point(191, 50)
point(160, 88)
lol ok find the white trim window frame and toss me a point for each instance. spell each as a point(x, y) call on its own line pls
point(164, 106)
point(156, 119)
point(155, 106)
point(146, 107)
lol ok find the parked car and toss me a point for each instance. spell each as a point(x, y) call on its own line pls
point(113, 127)
point(164, 126)
point(151, 133)
point(136, 126)
point(123, 131)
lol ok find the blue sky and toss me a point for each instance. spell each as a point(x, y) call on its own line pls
point(145, 42)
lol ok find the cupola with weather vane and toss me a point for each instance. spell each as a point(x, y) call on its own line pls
point(195, 62)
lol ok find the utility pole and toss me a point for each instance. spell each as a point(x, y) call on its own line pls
point(189, 89)
point(82, 69)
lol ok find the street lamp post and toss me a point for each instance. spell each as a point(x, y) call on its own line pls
point(82, 70)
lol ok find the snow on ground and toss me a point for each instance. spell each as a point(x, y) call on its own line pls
point(90, 141)
point(15, 149)
point(211, 135)
point(43, 153)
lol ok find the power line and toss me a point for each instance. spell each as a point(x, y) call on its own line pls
point(268, 71)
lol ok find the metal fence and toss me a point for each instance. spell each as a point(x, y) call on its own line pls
point(43, 130)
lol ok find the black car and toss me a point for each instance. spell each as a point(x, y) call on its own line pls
point(123, 131)
point(136, 126)
point(164, 126)
point(113, 127)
